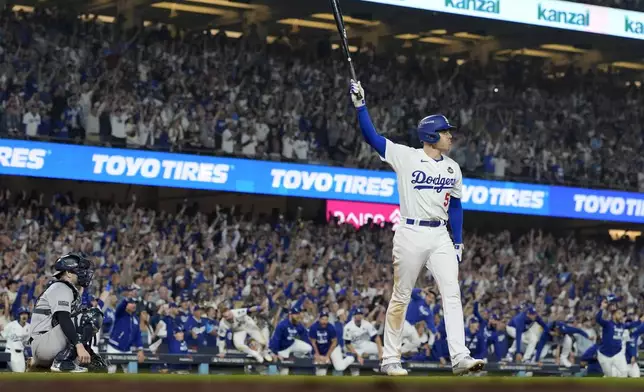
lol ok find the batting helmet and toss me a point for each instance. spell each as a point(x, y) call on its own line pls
point(22, 310)
point(79, 264)
point(429, 127)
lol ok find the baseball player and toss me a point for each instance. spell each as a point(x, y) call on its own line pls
point(588, 360)
point(242, 325)
point(494, 332)
point(126, 333)
point(88, 325)
point(560, 335)
point(53, 335)
point(611, 354)
point(475, 339)
point(417, 311)
point(430, 189)
point(324, 340)
point(525, 333)
point(632, 351)
point(178, 345)
point(290, 337)
point(17, 333)
point(360, 338)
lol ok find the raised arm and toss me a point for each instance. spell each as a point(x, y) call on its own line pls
point(376, 141)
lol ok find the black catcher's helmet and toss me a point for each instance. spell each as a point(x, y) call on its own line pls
point(79, 264)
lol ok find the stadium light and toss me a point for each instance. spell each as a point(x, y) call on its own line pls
point(563, 48)
point(227, 3)
point(24, 8)
point(191, 8)
point(309, 23)
point(407, 36)
point(466, 35)
point(628, 65)
point(348, 19)
point(438, 40)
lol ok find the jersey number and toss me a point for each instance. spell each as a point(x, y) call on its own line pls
point(446, 203)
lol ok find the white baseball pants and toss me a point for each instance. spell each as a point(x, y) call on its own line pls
point(112, 368)
point(239, 341)
point(410, 338)
point(614, 366)
point(364, 347)
point(17, 361)
point(634, 370)
point(566, 349)
point(416, 247)
point(298, 348)
point(339, 361)
point(529, 340)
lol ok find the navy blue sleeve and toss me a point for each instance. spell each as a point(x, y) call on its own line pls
point(477, 314)
point(589, 354)
point(376, 141)
point(455, 213)
point(570, 330)
point(313, 331)
point(274, 343)
point(304, 335)
point(429, 320)
point(541, 344)
point(600, 320)
point(638, 332)
point(520, 327)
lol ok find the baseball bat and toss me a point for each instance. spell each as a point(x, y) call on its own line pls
point(344, 41)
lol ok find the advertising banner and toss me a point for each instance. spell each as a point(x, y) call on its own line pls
point(99, 164)
point(548, 13)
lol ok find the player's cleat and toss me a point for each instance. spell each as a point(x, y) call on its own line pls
point(268, 357)
point(393, 369)
point(67, 367)
point(258, 357)
point(467, 365)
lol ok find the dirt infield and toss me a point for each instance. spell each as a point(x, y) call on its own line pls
point(170, 383)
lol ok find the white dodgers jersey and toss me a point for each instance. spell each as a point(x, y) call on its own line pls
point(356, 334)
point(425, 185)
point(241, 321)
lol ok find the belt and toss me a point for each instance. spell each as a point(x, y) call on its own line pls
point(31, 339)
point(425, 222)
point(45, 312)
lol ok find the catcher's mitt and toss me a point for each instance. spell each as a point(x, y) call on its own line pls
point(97, 364)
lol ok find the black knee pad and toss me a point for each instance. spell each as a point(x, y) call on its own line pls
point(66, 358)
point(68, 354)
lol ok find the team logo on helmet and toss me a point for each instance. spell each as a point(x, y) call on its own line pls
point(450, 170)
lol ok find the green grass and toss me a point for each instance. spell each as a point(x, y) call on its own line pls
point(433, 380)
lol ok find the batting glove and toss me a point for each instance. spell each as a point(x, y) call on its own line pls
point(357, 94)
point(459, 252)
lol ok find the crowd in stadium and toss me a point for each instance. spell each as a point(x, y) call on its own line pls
point(192, 265)
point(188, 275)
point(70, 80)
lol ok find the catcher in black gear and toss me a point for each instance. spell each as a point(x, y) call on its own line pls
point(89, 321)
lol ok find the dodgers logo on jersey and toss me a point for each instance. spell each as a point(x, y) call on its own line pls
point(425, 181)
